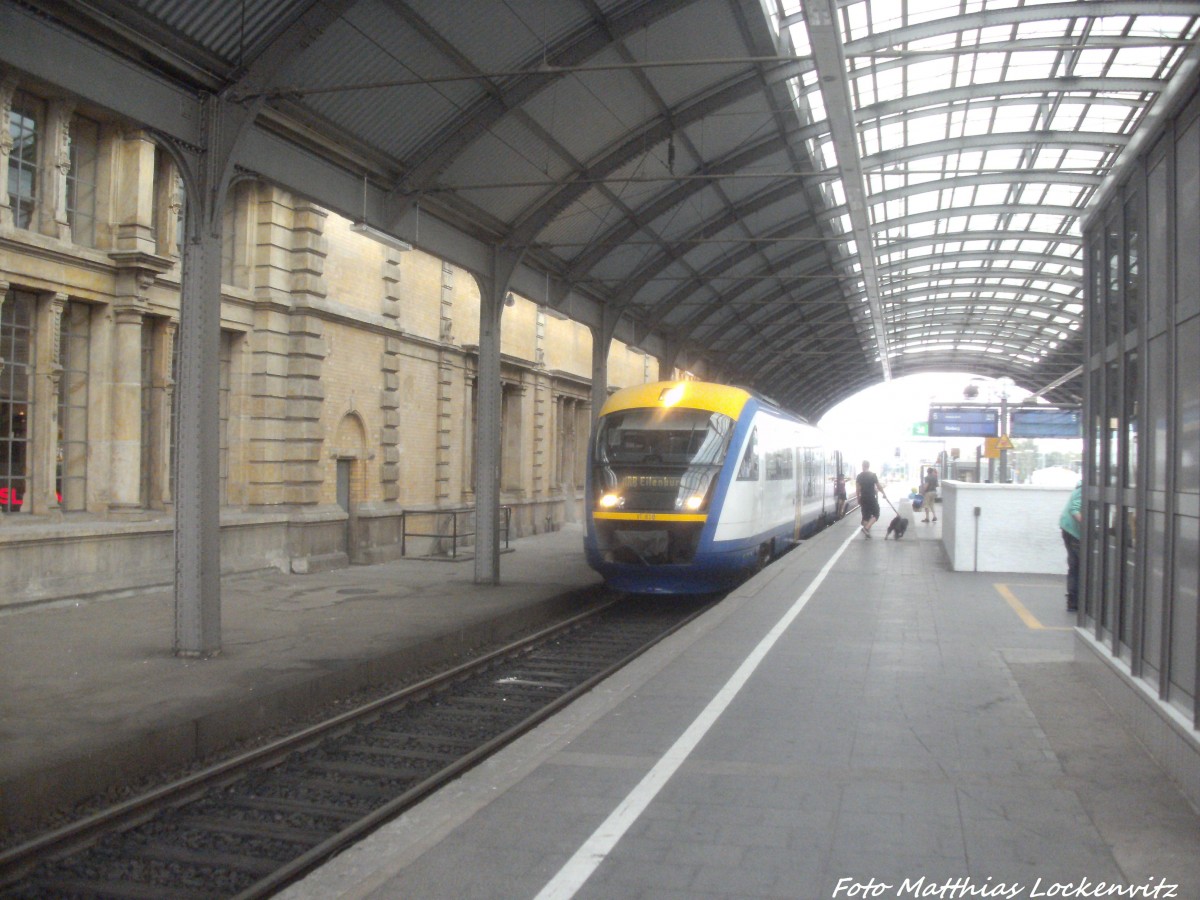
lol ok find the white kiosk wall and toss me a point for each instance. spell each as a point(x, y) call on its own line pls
point(1016, 529)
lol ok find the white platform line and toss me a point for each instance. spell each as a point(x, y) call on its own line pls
point(572, 876)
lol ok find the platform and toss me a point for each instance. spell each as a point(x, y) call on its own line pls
point(881, 728)
point(90, 694)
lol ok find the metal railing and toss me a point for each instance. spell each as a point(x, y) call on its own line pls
point(454, 534)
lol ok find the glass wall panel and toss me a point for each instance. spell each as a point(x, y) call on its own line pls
point(1183, 613)
point(1129, 450)
point(1112, 411)
point(1095, 555)
point(1112, 566)
point(1115, 270)
point(1187, 377)
point(1158, 409)
point(1158, 258)
point(1129, 537)
point(1096, 306)
point(1133, 249)
point(1152, 608)
point(1187, 213)
point(1096, 432)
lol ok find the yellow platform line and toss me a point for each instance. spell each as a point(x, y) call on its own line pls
point(1030, 620)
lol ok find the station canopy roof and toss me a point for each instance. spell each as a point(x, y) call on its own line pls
point(812, 195)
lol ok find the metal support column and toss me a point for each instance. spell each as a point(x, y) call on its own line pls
point(669, 358)
point(197, 447)
point(488, 397)
point(197, 470)
point(602, 336)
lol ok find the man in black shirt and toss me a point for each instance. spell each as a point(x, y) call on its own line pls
point(929, 494)
point(867, 487)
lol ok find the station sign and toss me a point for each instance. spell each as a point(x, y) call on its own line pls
point(1046, 423)
point(963, 421)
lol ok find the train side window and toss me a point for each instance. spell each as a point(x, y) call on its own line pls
point(779, 464)
point(748, 471)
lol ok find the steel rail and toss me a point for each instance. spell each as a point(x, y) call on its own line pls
point(15, 860)
point(304, 864)
point(18, 862)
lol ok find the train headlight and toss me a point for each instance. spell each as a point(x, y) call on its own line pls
point(694, 502)
point(611, 501)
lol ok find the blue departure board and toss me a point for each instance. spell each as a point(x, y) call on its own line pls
point(963, 421)
point(1046, 423)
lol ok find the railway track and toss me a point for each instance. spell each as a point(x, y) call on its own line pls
point(253, 824)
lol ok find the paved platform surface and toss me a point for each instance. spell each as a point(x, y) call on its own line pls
point(90, 692)
point(897, 730)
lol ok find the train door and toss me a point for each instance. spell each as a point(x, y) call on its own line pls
point(829, 491)
point(840, 488)
point(798, 524)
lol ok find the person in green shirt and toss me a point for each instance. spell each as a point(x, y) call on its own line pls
point(1071, 523)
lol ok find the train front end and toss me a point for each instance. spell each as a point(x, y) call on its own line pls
point(656, 476)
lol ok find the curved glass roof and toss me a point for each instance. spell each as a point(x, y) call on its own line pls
point(981, 129)
point(807, 195)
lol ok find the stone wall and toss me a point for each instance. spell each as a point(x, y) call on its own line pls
point(347, 384)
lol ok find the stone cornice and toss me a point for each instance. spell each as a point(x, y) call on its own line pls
point(580, 381)
point(141, 260)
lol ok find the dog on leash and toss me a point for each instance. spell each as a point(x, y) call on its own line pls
point(897, 527)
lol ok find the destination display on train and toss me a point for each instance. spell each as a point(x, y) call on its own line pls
point(653, 482)
point(963, 421)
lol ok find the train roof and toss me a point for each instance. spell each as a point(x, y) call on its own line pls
point(689, 394)
point(720, 398)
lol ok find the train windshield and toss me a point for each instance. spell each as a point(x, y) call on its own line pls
point(659, 459)
point(667, 437)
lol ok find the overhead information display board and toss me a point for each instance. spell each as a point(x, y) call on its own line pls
point(963, 421)
point(1046, 423)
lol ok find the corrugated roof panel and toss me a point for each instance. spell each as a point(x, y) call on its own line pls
point(931, 170)
point(615, 268)
point(682, 222)
point(673, 40)
point(528, 26)
point(513, 153)
point(224, 27)
point(371, 46)
point(643, 179)
point(589, 112)
point(496, 159)
point(582, 221)
point(735, 126)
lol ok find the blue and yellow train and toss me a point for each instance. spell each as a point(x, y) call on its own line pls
point(692, 486)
